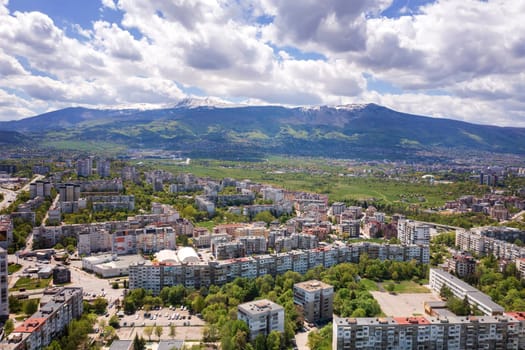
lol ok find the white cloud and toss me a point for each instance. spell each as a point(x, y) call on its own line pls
point(9, 65)
point(116, 42)
point(472, 53)
point(109, 4)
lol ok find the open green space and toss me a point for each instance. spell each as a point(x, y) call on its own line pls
point(12, 268)
point(31, 283)
point(333, 179)
point(406, 287)
point(368, 284)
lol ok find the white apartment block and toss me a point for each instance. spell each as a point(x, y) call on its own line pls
point(411, 232)
point(316, 298)
point(262, 317)
point(414, 333)
point(275, 195)
point(222, 271)
point(6, 231)
point(489, 241)
point(439, 278)
point(94, 242)
point(520, 265)
point(4, 301)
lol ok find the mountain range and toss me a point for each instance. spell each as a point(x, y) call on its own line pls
point(201, 128)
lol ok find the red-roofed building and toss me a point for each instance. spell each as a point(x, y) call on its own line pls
point(48, 323)
point(38, 337)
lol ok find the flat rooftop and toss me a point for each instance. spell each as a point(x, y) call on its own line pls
point(259, 307)
point(313, 285)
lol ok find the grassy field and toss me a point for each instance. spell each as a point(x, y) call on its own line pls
point(407, 287)
point(369, 284)
point(31, 283)
point(105, 148)
point(321, 176)
point(206, 224)
point(12, 268)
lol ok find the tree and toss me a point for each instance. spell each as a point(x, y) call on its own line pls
point(114, 285)
point(30, 306)
point(210, 333)
point(114, 321)
point(54, 345)
point(100, 304)
point(9, 326)
point(148, 331)
point(273, 341)
point(445, 292)
point(260, 342)
point(173, 331)
point(14, 304)
point(158, 331)
point(139, 343)
point(265, 216)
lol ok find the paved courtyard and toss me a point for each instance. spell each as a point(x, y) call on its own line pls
point(406, 304)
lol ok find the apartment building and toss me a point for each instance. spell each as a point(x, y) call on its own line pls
point(55, 314)
point(6, 231)
point(253, 244)
point(349, 228)
point(100, 203)
point(452, 333)
point(439, 278)
point(40, 189)
point(275, 195)
point(220, 272)
point(462, 264)
point(262, 317)
point(69, 195)
point(520, 266)
point(491, 241)
point(412, 232)
point(316, 299)
point(4, 300)
point(103, 168)
point(84, 167)
point(338, 208)
point(150, 239)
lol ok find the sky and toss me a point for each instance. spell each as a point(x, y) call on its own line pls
point(458, 59)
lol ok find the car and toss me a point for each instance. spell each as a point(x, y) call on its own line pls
point(137, 316)
point(189, 317)
point(107, 314)
point(167, 314)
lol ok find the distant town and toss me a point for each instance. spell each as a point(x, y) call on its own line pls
point(101, 252)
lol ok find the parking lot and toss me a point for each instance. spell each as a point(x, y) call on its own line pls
point(162, 317)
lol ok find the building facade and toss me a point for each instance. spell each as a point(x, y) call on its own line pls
point(57, 310)
point(262, 317)
point(412, 232)
point(316, 299)
point(439, 278)
point(4, 300)
point(155, 276)
point(407, 333)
